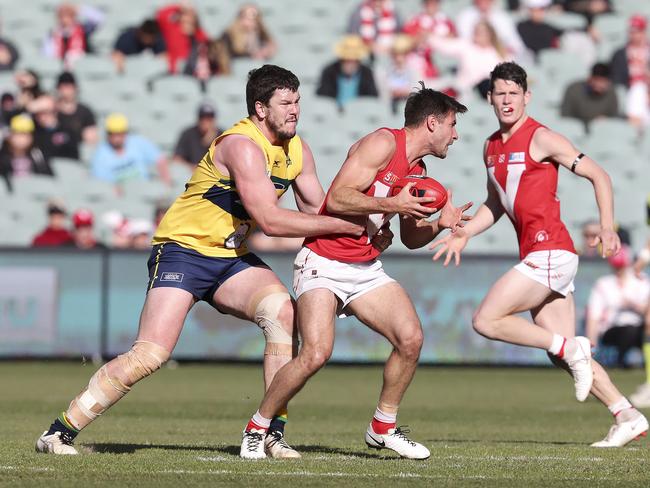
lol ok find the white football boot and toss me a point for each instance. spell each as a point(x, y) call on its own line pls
point(577, 355)
point(641, 397)
point(626, 431)
point(276, 447)
point(57, 443)
point(396, 440)
point(252, 444)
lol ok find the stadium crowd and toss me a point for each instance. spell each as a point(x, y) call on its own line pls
point(382, 51)
point(385, 49)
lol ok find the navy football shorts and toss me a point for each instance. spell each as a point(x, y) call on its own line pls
point(171, 265)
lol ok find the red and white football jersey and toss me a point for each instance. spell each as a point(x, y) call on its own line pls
point(350, 249)
point(527, 190)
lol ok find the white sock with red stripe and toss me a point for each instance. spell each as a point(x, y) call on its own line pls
point(557, 345)
point(382, 422)
point(258, 422)
point(619, 406)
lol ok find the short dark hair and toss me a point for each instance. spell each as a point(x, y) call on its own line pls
point(509, 71)
point(426, 101)
point(601, 70)
point(149, 27)
point(262, 83)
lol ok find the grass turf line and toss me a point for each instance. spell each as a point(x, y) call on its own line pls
point(484, 427)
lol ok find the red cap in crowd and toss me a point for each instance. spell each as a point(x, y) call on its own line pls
point(82, 218)
point(622, 259)
point(638, 22)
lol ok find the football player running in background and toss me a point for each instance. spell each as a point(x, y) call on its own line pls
point(522, 160)
point(334, 274)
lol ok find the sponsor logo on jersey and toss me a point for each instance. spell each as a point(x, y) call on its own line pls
point(502, 158)
point(490, 160)
point(517, 157)
point(288, 161)
point(541, 236)
point(276, 163)
point(172, 276)
point(390, 178)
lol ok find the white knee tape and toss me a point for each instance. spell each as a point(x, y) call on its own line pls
point(105, 389)
point(278, 341)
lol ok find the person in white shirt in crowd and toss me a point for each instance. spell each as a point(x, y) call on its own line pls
point(641, 397)
point(476, 57)
point(617, 305)
point(502, 21)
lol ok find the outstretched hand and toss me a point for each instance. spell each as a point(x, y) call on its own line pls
point(453, 217)
point(452, 244)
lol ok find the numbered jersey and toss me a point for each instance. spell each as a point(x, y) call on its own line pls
point(527, 190)
point(209, 216)
point(350, 249)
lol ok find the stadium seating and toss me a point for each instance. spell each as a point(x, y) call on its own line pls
point(305, 39)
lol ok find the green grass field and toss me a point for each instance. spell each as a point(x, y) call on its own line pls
point(484, 427)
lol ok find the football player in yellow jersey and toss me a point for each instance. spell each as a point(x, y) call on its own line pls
point(199, 253)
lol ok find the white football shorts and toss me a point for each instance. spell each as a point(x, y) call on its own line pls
point(555, 269)
point(347, 281)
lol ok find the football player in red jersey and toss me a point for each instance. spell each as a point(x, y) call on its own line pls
point(522, 160)
point(336, 275)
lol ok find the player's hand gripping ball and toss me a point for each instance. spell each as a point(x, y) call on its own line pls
point(425, 186)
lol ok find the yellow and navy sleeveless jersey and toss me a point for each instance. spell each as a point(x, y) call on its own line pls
point(209, 216)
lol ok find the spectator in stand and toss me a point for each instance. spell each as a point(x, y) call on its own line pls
point(208, 59)
point(502, 23)
point(194, 141)
point(8, 109)
point(590, 231)
point(641, 397)
point(630, 63)
point(67, 41)
point(51, 136)
point(347, 78)
point(116, 230)
point(124, 156)
point(136, 40)
point(476, 58)
point(8, 55)
point(534, 31)
point(29, 88)
point(19, 156)
point(248, 37)
point(83, 233)
point(616, 308)
point(376, 22)
point(56, 232)
point(159, 212)
point(140, 233)
point(431, 21)
point(592, 98)
point(403, 72)
point(74, 116)
point(181, 30)
point(589, 9)
point(637, 104)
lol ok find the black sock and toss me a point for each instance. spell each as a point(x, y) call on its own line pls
point(58, 426)
point(277, 425)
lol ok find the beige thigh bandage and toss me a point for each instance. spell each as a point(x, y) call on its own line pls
point(265, 308)
point(114, 380)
